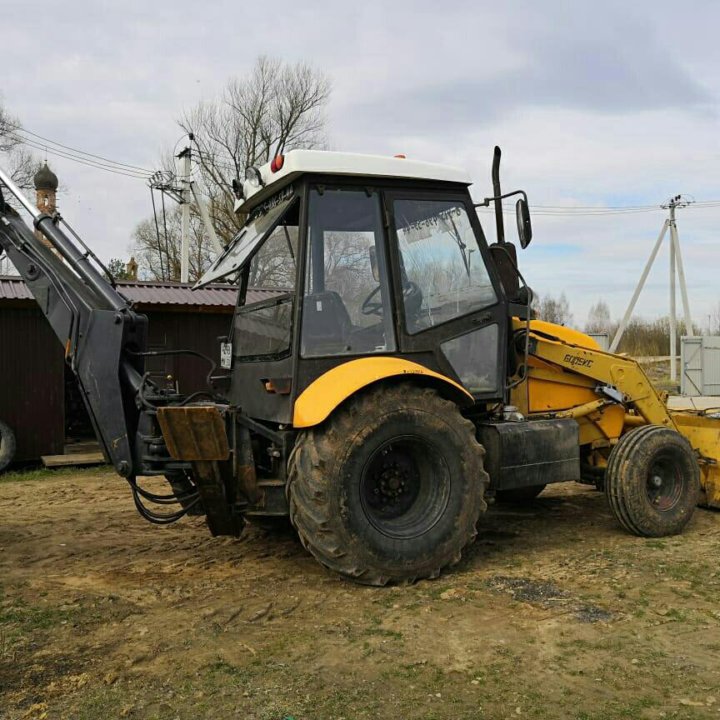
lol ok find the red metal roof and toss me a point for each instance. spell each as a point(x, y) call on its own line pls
point(171, 293)
point(154, 293)
point(13, 288)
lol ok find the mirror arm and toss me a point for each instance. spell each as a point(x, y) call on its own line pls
point(486, 202)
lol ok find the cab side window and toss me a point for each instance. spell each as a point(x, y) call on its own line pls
point(346, 307)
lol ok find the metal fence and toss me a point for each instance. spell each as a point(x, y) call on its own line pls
point(700, 363)
point(602, 339)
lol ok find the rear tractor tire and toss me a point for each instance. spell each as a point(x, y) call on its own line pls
point(390, 487)
point(7, 445)
point(652, 481)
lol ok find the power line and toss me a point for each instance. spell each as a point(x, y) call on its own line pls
point(100, 162)
point(538, 210)
point(600, 210)
point(83, 161)
point(19, 129)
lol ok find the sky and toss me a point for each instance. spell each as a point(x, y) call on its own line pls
point(594, 105)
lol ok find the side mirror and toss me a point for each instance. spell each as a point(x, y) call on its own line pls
point(524, 226)
point(237, 189)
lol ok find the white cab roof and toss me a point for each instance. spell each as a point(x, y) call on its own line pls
point(297, 162)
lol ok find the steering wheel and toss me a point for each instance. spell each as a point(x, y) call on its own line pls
point(412, 297)
point(370, 306)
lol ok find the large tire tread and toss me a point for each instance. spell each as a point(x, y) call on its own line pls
point(625, 493)
point(312, 459)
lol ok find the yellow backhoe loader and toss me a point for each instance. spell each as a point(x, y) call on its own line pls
point(388, 382)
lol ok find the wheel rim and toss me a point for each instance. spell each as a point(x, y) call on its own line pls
point(664, 483)
point(405, 487)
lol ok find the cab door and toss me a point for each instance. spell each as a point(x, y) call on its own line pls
point(451, 308)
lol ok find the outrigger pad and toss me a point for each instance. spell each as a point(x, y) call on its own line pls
point(194, 432)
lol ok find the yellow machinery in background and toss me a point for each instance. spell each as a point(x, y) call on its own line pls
point(609, 396)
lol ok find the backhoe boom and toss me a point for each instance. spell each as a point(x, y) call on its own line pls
point(103, 337)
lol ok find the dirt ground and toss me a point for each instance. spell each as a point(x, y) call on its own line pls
point(553, 613)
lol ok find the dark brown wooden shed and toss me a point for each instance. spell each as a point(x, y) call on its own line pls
point(36, 392)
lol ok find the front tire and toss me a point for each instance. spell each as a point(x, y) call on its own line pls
point(390, 488)
point(652, 481)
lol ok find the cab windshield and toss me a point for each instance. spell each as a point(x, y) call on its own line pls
point(443, 272)
point(259, 225)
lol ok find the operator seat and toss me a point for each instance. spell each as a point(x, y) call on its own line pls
point(326, 323)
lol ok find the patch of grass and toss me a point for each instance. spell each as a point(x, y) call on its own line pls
point(382, 632)
point(100, 702)
point(28, 618)
point(227, 670)
point(22, 623)
point(42, 473)
point(656, 544)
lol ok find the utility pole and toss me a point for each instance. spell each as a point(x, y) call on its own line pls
point(181, 188)
point(185, 158)
point(676, 270)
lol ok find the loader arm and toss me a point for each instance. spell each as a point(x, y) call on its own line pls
point(615, 371)
point(103, 337)
point(575, 368)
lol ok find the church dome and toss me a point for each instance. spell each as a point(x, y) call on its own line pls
point(45, 179)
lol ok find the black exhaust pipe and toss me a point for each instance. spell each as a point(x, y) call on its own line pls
point(499, 224)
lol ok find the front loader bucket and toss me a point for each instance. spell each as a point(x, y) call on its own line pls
point(703, 433)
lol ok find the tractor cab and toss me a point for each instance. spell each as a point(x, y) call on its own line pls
point(361, 259)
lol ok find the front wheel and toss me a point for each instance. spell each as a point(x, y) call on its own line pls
point(652, 481)
point(390, 488)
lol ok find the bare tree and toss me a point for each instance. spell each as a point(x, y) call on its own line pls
point(18, 162)
point(16, 159)
point(157, 247)
point(277, 108)
point(554, 310)
point(598, 318)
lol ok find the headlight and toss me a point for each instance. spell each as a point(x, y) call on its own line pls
point(253, 176)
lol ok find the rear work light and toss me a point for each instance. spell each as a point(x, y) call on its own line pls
point(277, 163)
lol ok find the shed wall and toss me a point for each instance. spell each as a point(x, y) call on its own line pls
point(31, 382)
point(185, 331)
point(32, 368)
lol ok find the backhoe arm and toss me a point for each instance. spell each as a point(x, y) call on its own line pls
point(102, 336)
